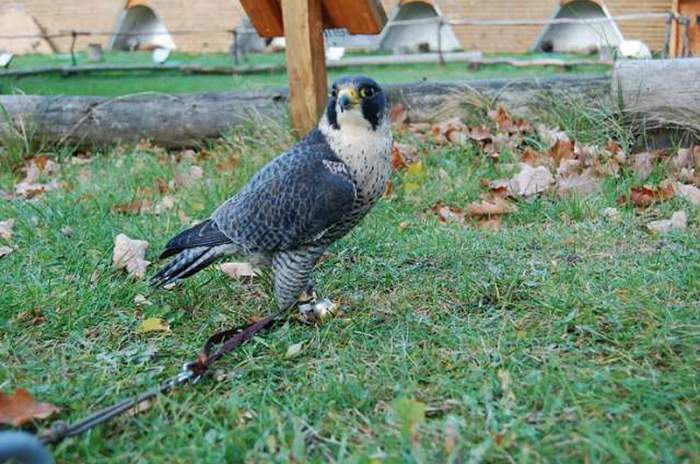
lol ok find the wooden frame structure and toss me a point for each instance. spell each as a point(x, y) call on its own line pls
point(302, 23)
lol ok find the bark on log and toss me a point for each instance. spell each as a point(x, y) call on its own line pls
point(660, 95)
point(185, 120)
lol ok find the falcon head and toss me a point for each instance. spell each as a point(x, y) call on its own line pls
point(356, 101)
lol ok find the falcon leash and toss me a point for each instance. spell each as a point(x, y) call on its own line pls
point(20, 445)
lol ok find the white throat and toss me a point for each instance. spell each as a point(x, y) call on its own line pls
point(365, 151)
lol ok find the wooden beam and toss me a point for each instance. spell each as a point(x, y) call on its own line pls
point(357, 16)
point(675, 32)
point(266, 16)
point(306, 62)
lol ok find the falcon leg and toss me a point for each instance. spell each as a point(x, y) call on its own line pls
point(311, 309)
point(292, 286)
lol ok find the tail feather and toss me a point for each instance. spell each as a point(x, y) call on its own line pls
point(187, 263)
point(205, 233)
point(194, 249)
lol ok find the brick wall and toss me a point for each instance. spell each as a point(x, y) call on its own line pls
point(521, 38)
point(103, 15)
point(218, 15)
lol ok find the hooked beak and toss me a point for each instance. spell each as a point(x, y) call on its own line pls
point(348, 97)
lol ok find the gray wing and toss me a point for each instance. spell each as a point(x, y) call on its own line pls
point(290, 202)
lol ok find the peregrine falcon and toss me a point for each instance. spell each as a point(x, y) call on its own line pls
point(301, 202)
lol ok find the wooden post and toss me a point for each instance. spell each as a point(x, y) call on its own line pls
point(306, 62)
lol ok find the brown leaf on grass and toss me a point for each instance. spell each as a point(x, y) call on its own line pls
point(237, 270)
point(29, 187)
point(490, 223)
point(194, 174)
point(452, 130)
point(613, 146)
point(550, 135)
point(165, 204)
point(569, 167)
point(492, 205)
point(398, 115)
point(530, 156)
point(530, 181)
point(642, 164)
point(583, 184)
point(6, 229)
point(645, 196)
point(162, 185)
point(5, 250)
point(21, 407)
point(447, 213)
point(389, 191)
point(686, 158)
point(402, 155)
point(228, 164)
point(605, 166)
point(480, 133)
point(129, 254)
point(506, 123)
point(132, 207)
point(678, 221)
point(561, 150)
point(688, 192)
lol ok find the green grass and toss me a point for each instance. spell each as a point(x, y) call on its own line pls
point(561, 338)
point(123, 83)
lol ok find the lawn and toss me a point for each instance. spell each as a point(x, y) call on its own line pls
point(564, 336)
point(123, 83)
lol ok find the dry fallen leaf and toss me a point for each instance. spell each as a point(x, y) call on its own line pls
point(21, 408)
point(492, 206)
point(449, 131)
point(398, 115)
point(129, 254)
point(689, 192)
point(29, 187)
point(530, 181)
point(490, 223)
point(561, 150)
point(238, 270)
point(293, 350)
point(642, 164)
point(132, 207)
point(448, 213)
point(480, 133)
point(645, 196)
point(187, 179)
point(6, 229)
point(402, 155)
point(153, 324)
point(550, 135)
point(5, 250)
point(583, 184)
point(165, 204)
point(678, 221)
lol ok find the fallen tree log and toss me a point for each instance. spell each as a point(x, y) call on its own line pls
point(660, 98)
point(184, 120)
point(660, 93)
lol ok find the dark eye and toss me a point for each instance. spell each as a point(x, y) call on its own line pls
point(367, 92)
point(334, 92)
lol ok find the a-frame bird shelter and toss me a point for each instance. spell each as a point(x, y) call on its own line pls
point(302, 23)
